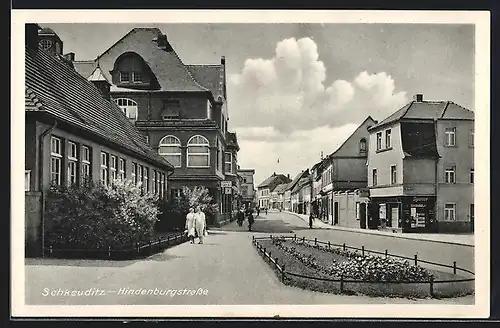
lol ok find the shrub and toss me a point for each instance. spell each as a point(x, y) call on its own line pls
point(94, 216)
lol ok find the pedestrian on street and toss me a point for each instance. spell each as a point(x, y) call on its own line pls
point(311, 220)
point(190, 225)
point(200, 223)
point(266, 210)
point(241, 216)
point(250, 219)
point(258, 210)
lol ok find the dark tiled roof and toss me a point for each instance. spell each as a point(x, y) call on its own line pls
point(280, 188)
point(271, 179)
point(428, 110)
point(65, 94)
point(302, 182)
point(165, 64)
point(296, 179)
point(209, 76)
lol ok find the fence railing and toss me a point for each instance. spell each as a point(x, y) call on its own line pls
point(129, 251)
point(283, 273)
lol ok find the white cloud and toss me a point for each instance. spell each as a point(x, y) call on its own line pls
point(296, 151)
point(289, 92)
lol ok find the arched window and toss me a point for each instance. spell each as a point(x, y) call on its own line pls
point(198, 152)
point(128, 106)
point(362, 147)
point(170, 149)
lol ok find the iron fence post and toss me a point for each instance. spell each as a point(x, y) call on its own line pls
point(294, 237)
point(454, 267)
point(362, 250)
point(343, 247)
point(416, 259)
point(431, 286)
point(386, 253)
point(303, 239)
point(315, 241)
point(328, 244)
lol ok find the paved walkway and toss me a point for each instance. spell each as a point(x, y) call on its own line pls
point(226, 268)
point(458, 239)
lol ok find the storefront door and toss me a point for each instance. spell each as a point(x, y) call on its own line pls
point(336, 213)
point(395, 216)
point(362, 215)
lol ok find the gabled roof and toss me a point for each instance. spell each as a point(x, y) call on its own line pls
point(296, 179)
point(97, 75)
point(428, 110)
point(164, 63)
point(352, 134)
point(271, 179)
point(302, 182)
point(209, 76)
point(280, 188)
point(53, 87)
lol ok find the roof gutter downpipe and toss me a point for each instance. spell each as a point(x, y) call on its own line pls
point(40, 182)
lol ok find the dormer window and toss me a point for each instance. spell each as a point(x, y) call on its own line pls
point(124, 77)
point(136, 77)
point(45, 44)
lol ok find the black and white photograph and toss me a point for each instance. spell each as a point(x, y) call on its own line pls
point(246, 164)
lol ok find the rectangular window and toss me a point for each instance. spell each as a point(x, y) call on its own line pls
point(471, 138)
point(388, 139)
point(449, 174)
point(450, 137)
point(134, 172)
point(114, 174)
point(146, 179)
point(85, 163)
point(357, 211)
point(393, 174)
point(374, 177)
point(228, 163)
point(139, 174)
point(27, 180)
point(162, 184)
point(104, 168)
point(158, 184)
point(155, 190)
point(379, 140)
point(72, 163)
point(449, 212)
point(124, 77)
point(471, 177)
point(121, 169)
point(55, 160)
point(136, 77)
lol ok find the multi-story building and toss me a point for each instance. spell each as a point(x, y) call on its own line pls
point(247, 186)
point(277, 196)
point(421, 168)
point(316, 190)
point(74, 132)
point(342, 170)
point(180, 109)
point(267, 187)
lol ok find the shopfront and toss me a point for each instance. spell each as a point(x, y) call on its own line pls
point(406, 213)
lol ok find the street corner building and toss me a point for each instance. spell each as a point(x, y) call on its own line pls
point(421, 168)
point(247, 187)
point(74, 132)
point(181, 110)
point(265, 196)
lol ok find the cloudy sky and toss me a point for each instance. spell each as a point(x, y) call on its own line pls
point(296, 90)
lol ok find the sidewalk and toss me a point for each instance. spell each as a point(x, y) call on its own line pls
point(457, 239)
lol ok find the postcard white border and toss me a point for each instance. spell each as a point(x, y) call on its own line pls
point(481, 20)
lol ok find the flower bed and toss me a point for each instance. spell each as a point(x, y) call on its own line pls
point(369, 275)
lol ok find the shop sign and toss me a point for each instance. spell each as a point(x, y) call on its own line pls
point(225, 184)
point(382, 211)
point(420, 199)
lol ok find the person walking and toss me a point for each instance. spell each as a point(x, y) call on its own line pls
point(311, 220)
point(241, 216)
point(200, 223)
point(258, 210)
point(190, 225)
point(250, 219)
point(266, 211)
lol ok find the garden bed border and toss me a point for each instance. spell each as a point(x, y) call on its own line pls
point(283, 273)
point(130, 251)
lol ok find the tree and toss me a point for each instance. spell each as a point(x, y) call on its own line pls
point(198, 196)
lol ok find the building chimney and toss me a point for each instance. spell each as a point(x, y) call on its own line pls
point(70, 56)
point(418, 97)
point(162, 41)
point(31, 35)
point(223, 60)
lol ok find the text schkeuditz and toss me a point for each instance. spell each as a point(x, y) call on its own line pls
point(63, 292)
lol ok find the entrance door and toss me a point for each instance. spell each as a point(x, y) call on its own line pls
point(362, 215)
point(471, 215)
point(395, 216)
point(336, 213)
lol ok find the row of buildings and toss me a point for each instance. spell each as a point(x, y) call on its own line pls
point(135, 112)
point(411, 172)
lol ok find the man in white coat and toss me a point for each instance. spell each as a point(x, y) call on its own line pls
point(200, 223)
